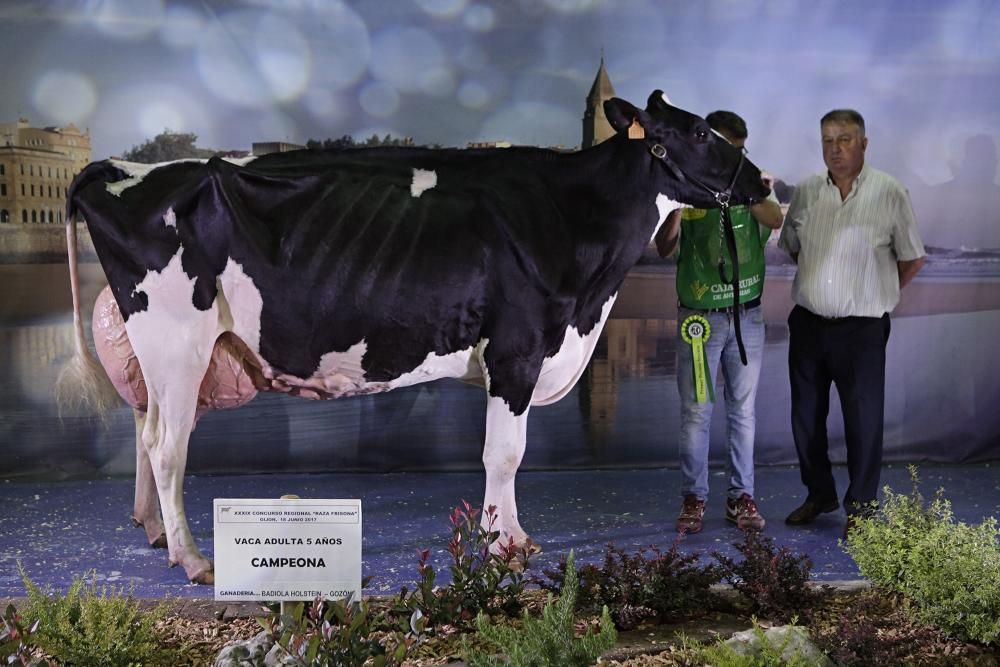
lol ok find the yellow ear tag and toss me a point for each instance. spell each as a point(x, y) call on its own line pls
point(636, 131)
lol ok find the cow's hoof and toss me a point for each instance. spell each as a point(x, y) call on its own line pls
point(532, 548)
point(155, 532)
point(206, 577)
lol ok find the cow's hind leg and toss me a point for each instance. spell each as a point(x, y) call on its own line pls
point(165, 437)
point(146, 511)
point(505, 441)
point(173, 367)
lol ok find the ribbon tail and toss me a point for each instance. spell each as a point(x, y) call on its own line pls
point(699, 365)
point(709, 380)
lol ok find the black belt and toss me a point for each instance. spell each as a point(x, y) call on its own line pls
point(749, 305)
point(838, 320)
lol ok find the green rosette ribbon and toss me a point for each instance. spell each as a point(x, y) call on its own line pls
point(695, 331)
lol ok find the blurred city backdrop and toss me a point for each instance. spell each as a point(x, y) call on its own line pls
point(86, 80)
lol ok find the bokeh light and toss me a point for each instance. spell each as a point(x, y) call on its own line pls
point(227, 63)
point(379, 99)
point(132, 115)
point(409, 59)
point(126, 19)
point(323, 105)
point(284, 57)
point(571, 6)
point(442, 8)
point(341, 46)
point(64, 96)
point(473, 95)
point(182, 27)
point(473, 56)
point(160, 115)
point(480, 18)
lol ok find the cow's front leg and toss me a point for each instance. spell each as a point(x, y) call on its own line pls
point(505, 442)
point(146, 511)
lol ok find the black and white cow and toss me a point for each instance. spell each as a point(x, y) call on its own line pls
point(359, 271)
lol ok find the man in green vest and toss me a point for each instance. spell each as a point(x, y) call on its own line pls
point(707, 339)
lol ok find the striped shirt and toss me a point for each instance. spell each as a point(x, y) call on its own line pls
point(848, 250)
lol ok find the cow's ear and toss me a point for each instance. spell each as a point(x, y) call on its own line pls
point(620, 113)
point(657, 101)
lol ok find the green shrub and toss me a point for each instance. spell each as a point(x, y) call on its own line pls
point(950, 570)
point(334, 632)
point(549, 641)
point(95, 626)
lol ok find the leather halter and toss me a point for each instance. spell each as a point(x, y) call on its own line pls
point(722, 198)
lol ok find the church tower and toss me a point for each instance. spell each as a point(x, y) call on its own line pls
point(596, 127)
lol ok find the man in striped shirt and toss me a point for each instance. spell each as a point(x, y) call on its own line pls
point(852, 233)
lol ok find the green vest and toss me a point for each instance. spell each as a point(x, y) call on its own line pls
point(698, 282)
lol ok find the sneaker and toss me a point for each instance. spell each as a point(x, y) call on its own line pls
point(689, 520)
point(744, 513)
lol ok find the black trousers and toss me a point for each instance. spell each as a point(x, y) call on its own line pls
point(850, 353)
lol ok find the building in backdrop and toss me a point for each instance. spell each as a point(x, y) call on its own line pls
point(266, 147)
point(37, 165)
point(596, 127)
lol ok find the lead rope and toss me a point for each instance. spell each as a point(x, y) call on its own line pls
point(727, 228)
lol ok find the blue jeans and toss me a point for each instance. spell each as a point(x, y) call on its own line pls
point(740, 393)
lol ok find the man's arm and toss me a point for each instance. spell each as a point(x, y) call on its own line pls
point(767, 213)
point(907, 270)
point(668, 234)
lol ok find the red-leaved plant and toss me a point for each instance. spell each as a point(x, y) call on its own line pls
point(486, 575)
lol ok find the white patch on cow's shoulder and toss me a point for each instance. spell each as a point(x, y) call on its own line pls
point(244, 304)
point(664, 207)
point(423, 179)
point(561, 371)
point(170, 218)
point(137, 171)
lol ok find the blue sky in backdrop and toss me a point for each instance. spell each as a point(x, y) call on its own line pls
point(926, 75)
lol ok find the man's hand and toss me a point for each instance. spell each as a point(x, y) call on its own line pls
point(907, 270)
point(668, 234)
point(767, 179)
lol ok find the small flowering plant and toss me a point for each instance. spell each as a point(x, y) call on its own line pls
point(486, 576)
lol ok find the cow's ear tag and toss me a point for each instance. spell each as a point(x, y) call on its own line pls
point(635, 130)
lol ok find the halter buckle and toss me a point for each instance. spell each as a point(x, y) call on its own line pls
point(658, 151)
point(722, 198)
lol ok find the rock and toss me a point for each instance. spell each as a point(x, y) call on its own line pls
point(250, 653)
point(279, 657)
point(794, 638)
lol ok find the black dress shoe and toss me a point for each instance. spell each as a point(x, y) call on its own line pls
point(809, 510)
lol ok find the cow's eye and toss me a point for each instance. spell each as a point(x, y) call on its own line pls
point(701, 135)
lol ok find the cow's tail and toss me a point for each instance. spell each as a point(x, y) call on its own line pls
point(82, 387)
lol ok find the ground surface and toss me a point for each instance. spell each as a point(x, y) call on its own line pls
point(60, 530)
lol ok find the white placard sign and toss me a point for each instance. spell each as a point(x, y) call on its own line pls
point(286, 550)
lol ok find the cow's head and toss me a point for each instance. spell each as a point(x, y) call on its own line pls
point(700, 162)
